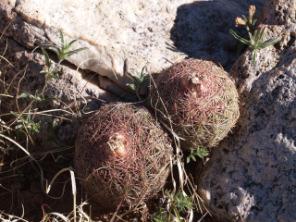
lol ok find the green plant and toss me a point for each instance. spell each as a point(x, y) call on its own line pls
point(200, 152)
point(255, 40)
point(161, 216)
point(21, 108)
point(25, 124)
point(49, 69)
point(139, 83)
point(182, 202)
point(63, 51)
point(178, 207)
point(29, 96)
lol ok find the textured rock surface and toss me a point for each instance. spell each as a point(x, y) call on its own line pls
point(127, 35)
point(252, 176)
point(71, 85)
point(72, 91)
point(280, 12)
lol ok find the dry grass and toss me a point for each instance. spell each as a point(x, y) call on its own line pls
point(23, 161)
point(23, 107)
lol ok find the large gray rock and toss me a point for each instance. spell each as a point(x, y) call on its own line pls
point(118, 34)
point(252, 177)
point(125, 36)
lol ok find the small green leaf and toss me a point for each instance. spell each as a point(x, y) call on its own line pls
point(71, 43)
point(139, 82)
point(270, 42)
point(63, 50)
point(239, 38)
point(25, 123)
point(200, 152)
point(254, 56)
point(182, 203)
point(25, 95)
point(161, 216)
point(62, 37)
point(46, 57)
point(131, 86)
point(68, 54)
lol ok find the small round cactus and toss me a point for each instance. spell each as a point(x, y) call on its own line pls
point(198, 99)
point(122, 156)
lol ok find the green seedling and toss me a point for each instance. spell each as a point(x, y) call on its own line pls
point(199, 152)
point(49, 69)
point(35, 98)
point(63, 51)
point(255, 40)
point(25, 123)
point(178, 206)
point(161, 216)
point(140, 83)
point(182, 203)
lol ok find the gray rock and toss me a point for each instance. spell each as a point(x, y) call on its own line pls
point(252, 177)
point(125, 36)
point(65, 98)
point(281, 12)
point(117, 34)
point(70, 84)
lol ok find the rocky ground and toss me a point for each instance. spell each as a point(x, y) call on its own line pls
point(250, 176)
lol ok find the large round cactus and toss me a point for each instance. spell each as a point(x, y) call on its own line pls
point(122, 156)
point(198, 100)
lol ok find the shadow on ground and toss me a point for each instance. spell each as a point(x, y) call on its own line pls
point(201, 29)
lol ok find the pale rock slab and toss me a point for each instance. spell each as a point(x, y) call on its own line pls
point(118, 34)
point(124, 36)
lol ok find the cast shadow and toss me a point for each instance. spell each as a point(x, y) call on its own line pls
point(201, 29)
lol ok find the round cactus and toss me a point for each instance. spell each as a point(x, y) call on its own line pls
point(122, 156)
point(198, 99)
